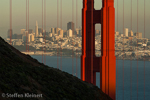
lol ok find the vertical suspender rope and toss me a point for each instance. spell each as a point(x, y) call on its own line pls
point(137, 49)
point(57, 29)
point(76, 35)
point(131, 59)
point(72, 27)
point(117, 49)
point(45, 31)
point(144, 50)
point(28, 26)
point(123, 49)
point(42, 31)
point(10, 22)
point(61, 34)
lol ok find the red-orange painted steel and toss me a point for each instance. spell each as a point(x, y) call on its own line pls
point(106, 64)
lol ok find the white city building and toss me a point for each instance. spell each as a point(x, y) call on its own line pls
point(131, 33)
point(60, 33)
point(70, 33)
point(126, 32)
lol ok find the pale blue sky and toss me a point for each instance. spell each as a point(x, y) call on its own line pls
point(35, 6)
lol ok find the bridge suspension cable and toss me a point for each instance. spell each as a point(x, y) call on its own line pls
point(10, 22)
point(57, 32)
point(144, 50)
point(61, 34)
point(123, 49)
point(42, 31)
point(72, 27)
point(45, 31)
point(28, 27)
point(137, 49)
point(26, 24)
point(131, 59)
point(117, 49)
point(76, 36)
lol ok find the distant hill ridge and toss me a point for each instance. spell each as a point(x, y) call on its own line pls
point(21, 74)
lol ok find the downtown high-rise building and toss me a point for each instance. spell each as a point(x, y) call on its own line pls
point(52, 30)
point(17, 36)
point(69, 33)
point(36, 30)
point(77, 31)
point(50, 34)
point(126, 32)
point(70, 25)
point(60, 33)
point(56, 30)
point(30, 37)
point(30, 31)
point(40, 30)
point(23, 31)
point(131, 33)
point(9, 32)
point(139, 35)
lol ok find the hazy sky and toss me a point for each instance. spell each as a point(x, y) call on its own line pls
point(35, 11)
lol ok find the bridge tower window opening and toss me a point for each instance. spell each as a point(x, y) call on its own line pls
point(97, 4)
point(98, 79)
point(98, 40)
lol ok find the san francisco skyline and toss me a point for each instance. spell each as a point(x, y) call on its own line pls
point(35, 13)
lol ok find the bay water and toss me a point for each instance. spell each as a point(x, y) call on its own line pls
point(130, 84)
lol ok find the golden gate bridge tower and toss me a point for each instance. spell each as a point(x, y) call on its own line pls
point(106, 64)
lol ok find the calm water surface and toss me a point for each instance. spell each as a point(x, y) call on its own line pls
point(133, 76)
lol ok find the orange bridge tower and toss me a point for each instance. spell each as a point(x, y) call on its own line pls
point(106, 64)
